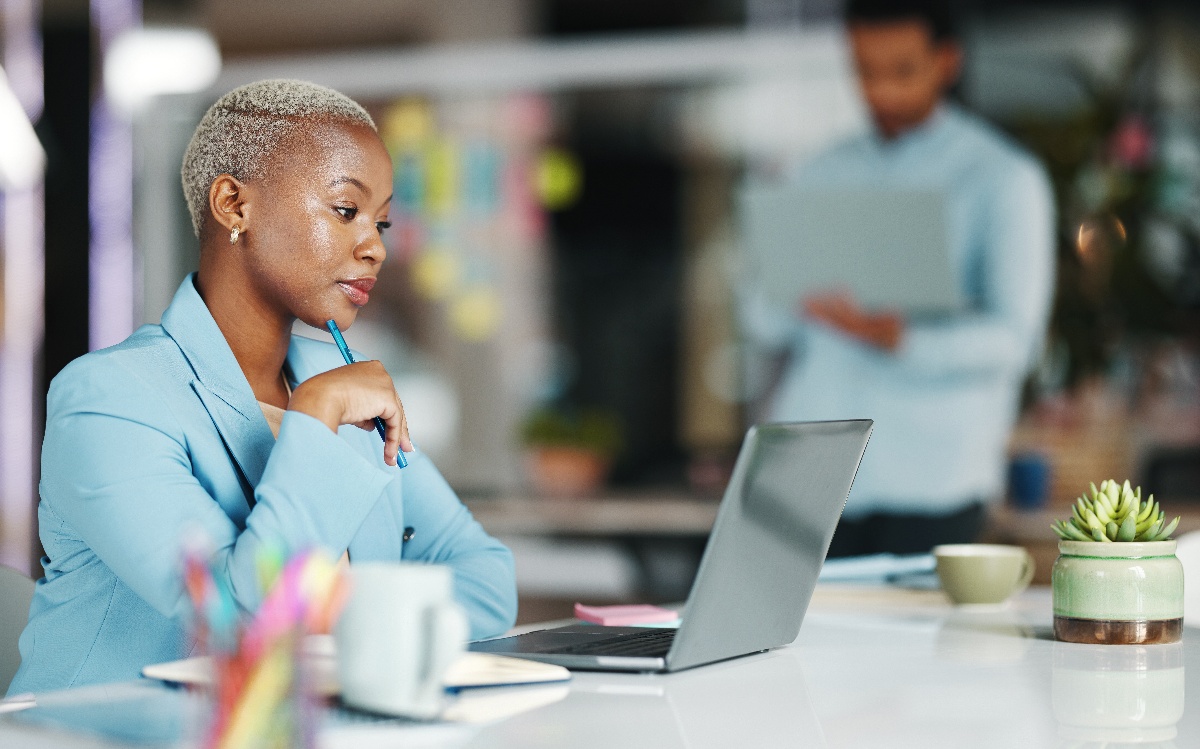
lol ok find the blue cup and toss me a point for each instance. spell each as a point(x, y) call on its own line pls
point(1028, 481)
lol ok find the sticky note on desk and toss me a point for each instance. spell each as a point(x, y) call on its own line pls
point(625, 616)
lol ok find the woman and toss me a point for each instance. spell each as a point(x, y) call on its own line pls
point(220, 423)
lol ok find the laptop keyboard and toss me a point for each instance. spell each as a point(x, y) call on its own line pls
point(653, 643)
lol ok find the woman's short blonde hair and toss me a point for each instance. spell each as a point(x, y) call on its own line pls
point(240, 132)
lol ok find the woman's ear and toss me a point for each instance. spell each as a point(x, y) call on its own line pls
point(227, 200)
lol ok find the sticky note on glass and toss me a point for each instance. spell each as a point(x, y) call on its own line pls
point(625, 616)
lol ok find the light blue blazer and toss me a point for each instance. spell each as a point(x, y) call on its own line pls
point(160, 438)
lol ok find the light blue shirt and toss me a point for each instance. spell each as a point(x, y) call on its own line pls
point(944, 403)
point(159, 439)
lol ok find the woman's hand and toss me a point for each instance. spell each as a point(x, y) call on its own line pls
point(356, 394)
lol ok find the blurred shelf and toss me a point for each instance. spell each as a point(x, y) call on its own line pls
point(681, 514)
point(641, 514)
point(1033, 526)
point(1031, 529)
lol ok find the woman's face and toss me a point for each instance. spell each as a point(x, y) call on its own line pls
point(312, 242)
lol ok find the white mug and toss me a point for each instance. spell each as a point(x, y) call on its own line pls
point(397, 637)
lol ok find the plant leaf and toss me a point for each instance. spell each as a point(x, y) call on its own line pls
point(1153, 530)
point(1128, 529)
point(1076, 534)
point(1165, 533)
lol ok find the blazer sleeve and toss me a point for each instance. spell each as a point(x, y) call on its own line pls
point(116, 467)
point(447, 533)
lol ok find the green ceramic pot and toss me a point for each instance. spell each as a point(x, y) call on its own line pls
point(1121, 593)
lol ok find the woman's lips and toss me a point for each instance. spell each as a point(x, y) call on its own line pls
point(358, 289)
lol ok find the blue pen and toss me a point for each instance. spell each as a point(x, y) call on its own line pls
point(401, 462)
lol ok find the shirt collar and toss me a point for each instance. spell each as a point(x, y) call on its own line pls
point(934, 124)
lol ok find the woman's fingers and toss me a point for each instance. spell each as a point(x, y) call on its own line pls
point(405, 439)
point(357, 394)
point(393, 419)
point(397, 430)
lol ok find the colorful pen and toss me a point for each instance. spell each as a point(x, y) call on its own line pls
point(401, 462)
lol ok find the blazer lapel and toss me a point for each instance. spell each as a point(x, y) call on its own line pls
point(220, 384)
point(244, 438)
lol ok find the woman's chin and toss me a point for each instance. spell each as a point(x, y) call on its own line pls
point(320, 320)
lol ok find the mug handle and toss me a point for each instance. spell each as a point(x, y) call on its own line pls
point(1026, 574)
point(447, 630)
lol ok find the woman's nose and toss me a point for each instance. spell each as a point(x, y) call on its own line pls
point(371, 248)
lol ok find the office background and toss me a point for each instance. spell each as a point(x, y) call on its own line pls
point(565, 242)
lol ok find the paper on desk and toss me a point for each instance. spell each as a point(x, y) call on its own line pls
point(479, 706)
point(876, 567)
point(145, 713)
point(458, 724)
point(471, 670)
point(16, 703)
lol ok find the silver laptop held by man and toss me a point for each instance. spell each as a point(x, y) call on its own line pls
point(889, 247)
point(759, 568)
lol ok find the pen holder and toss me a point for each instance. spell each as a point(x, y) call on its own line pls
point(261, 694)
point(261, 702)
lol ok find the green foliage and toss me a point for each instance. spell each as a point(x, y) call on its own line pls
point(593, 430)
point(1114, 176)
point(1115, 513)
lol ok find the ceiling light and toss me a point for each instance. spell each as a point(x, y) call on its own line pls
point(148, 62)
point(21, 156)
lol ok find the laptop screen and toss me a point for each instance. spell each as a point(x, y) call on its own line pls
point(770, 538)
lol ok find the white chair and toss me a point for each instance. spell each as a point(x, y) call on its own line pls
point(16, 591)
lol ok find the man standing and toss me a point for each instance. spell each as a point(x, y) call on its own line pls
point(943, 392)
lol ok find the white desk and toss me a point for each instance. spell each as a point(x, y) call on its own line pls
point(871, 668)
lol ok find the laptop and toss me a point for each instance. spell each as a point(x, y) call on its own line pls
point(759, 569)
point(889, 247)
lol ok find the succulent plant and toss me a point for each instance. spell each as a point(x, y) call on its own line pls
point(1115, 513)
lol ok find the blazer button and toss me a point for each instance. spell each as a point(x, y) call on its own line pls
point(408, 534)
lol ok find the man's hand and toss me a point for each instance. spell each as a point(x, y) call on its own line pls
point(840, 311)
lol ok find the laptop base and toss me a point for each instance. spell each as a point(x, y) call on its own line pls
point(555, 646)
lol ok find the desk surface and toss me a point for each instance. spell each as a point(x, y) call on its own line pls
point(872, 668)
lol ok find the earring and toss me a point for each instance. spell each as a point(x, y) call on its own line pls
point(233, 235)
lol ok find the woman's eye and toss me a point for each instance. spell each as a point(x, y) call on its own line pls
point(346, 212)
point(381, 225)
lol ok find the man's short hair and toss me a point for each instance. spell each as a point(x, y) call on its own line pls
point(935, 14)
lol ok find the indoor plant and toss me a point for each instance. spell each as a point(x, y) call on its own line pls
point(568, 452)
point(1116, 580)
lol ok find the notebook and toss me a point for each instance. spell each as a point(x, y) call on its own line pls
point(472, 670)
